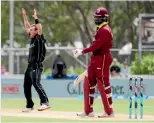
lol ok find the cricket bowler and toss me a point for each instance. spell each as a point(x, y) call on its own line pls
point(98, 69)
point(36, 57)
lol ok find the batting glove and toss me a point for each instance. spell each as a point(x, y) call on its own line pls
point(77, 53)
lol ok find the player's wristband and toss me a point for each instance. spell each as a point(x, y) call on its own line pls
point(36, 21)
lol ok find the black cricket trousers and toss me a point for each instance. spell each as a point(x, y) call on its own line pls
point(33, 77)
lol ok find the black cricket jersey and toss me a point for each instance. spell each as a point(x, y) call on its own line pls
point(37, 49)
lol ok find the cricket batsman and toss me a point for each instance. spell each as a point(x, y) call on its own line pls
point(98, 69)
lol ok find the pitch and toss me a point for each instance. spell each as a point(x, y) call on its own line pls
point(65, 109)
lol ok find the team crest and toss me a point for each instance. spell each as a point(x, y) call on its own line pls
point(98, 11)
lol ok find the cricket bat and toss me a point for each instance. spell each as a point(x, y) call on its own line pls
point(80, 78)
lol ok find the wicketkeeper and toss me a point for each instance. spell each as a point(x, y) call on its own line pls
point(98, 69)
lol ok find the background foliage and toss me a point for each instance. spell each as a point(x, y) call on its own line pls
point(146, 67)
point(66, 21)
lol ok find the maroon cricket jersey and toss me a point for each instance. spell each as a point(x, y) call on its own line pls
point(102, 42)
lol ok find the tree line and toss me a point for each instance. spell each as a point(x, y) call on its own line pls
point(67, 21)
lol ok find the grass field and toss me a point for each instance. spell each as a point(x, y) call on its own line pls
point(68, 105)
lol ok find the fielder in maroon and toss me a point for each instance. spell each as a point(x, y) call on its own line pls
point(98, 69)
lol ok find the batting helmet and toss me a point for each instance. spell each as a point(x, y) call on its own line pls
point(100, 15)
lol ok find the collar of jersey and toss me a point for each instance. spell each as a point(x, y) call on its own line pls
point(102, 24)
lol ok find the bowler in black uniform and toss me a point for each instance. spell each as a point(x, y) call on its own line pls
point(37, 53)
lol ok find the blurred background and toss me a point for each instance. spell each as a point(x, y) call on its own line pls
point(69, 24)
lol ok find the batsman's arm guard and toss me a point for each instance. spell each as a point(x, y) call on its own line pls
point(80, 78)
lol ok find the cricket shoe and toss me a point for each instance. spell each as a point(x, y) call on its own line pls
point(105, 115)
point(83, 114)
point(44, 106)
point(28, 110)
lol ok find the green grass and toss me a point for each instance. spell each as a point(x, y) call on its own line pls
point(73, 105)
point(23, 119)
